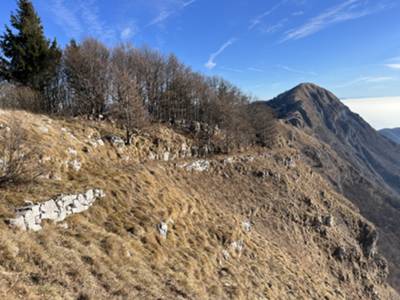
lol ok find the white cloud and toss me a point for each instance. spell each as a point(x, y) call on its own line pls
point(169, 10)
point(366, 79)
point(292, 70)
point(274, 28)
point(379, 112)
point(90, 14)
point(66, 18)
point(211, 64)
point(257, 20)
point(255, 70)
point(161, 17)
point(298, 13)
point(231, 69)
point(127, 33)
point(393, 66)
point(184, 4)
point(347, 10)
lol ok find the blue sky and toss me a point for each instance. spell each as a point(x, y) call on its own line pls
point(351, 47)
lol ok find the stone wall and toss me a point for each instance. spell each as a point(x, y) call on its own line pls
point(30, 217)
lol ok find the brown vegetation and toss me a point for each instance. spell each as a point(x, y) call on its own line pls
point(114, 250)
point(18, 163)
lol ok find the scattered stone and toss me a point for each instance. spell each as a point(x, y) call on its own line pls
point(290, 162)
point(96, 143)
point(75, 165)
point(237, 245)
point(261, 174)
point(228, 160)
point(328, 221)
point(246, 225)
point(166, 156)
point(44, 129)
point(368, 238)
point(226, 254)
point(116, 141)
point(339, 253)
point(63, 226)
point(195, 151)
point(152, 156)
point(198, 166)
point(163, 229)
point(30, 217)
point(72, 152)
point(184, 152)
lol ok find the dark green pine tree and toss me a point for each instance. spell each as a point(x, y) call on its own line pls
point(27, 56)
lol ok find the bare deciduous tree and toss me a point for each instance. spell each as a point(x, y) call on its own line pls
point(18, 164)
point(20, 97)
point(127, 105)
point(87, 72)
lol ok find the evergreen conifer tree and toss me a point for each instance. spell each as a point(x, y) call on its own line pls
point(27, 56)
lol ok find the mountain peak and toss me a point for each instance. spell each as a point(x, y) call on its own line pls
point(308, 104)
point(307, 86)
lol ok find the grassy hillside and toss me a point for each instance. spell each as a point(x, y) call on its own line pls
point(305, 240)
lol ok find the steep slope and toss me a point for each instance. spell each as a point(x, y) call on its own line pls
point(392, 134)
point(361, 163)
point(255, 225)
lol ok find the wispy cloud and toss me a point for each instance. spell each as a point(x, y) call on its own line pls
point(163, 15)
point(232, 69)
point(255, 70)
point(393, 66)
point(298, 13)
point(211, 64)
point(66, 18)
point(347, 10)
point(184, 4)
point(170, 10)
point(83, 18)
point(366, 80)
point(128, 32)
point(292, 70)
point(275, 27)
point(90, 14)
point(257, 20)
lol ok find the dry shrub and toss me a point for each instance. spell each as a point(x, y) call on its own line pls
point(18, 164)
point(19, 97)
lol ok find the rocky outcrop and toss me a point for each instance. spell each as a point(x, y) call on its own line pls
point(197, 166)
point(30, 217)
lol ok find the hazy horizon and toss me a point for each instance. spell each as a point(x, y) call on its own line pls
point(380, 113)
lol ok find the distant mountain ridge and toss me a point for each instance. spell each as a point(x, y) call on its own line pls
point(392, 134)
point(361, 163)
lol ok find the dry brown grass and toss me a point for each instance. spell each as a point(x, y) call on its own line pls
point(113, 251)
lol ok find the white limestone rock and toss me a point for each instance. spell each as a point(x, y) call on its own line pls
point(116, 141)
point(246, 225)
point(226, 254)
point(197, 166)
point(166, 156)
point(72, 152)
point(49, 210)
point(44, 129)
point(237, 245)
point(18, 222)
point(30, 217)
point(163, 229)
point(75, 165)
